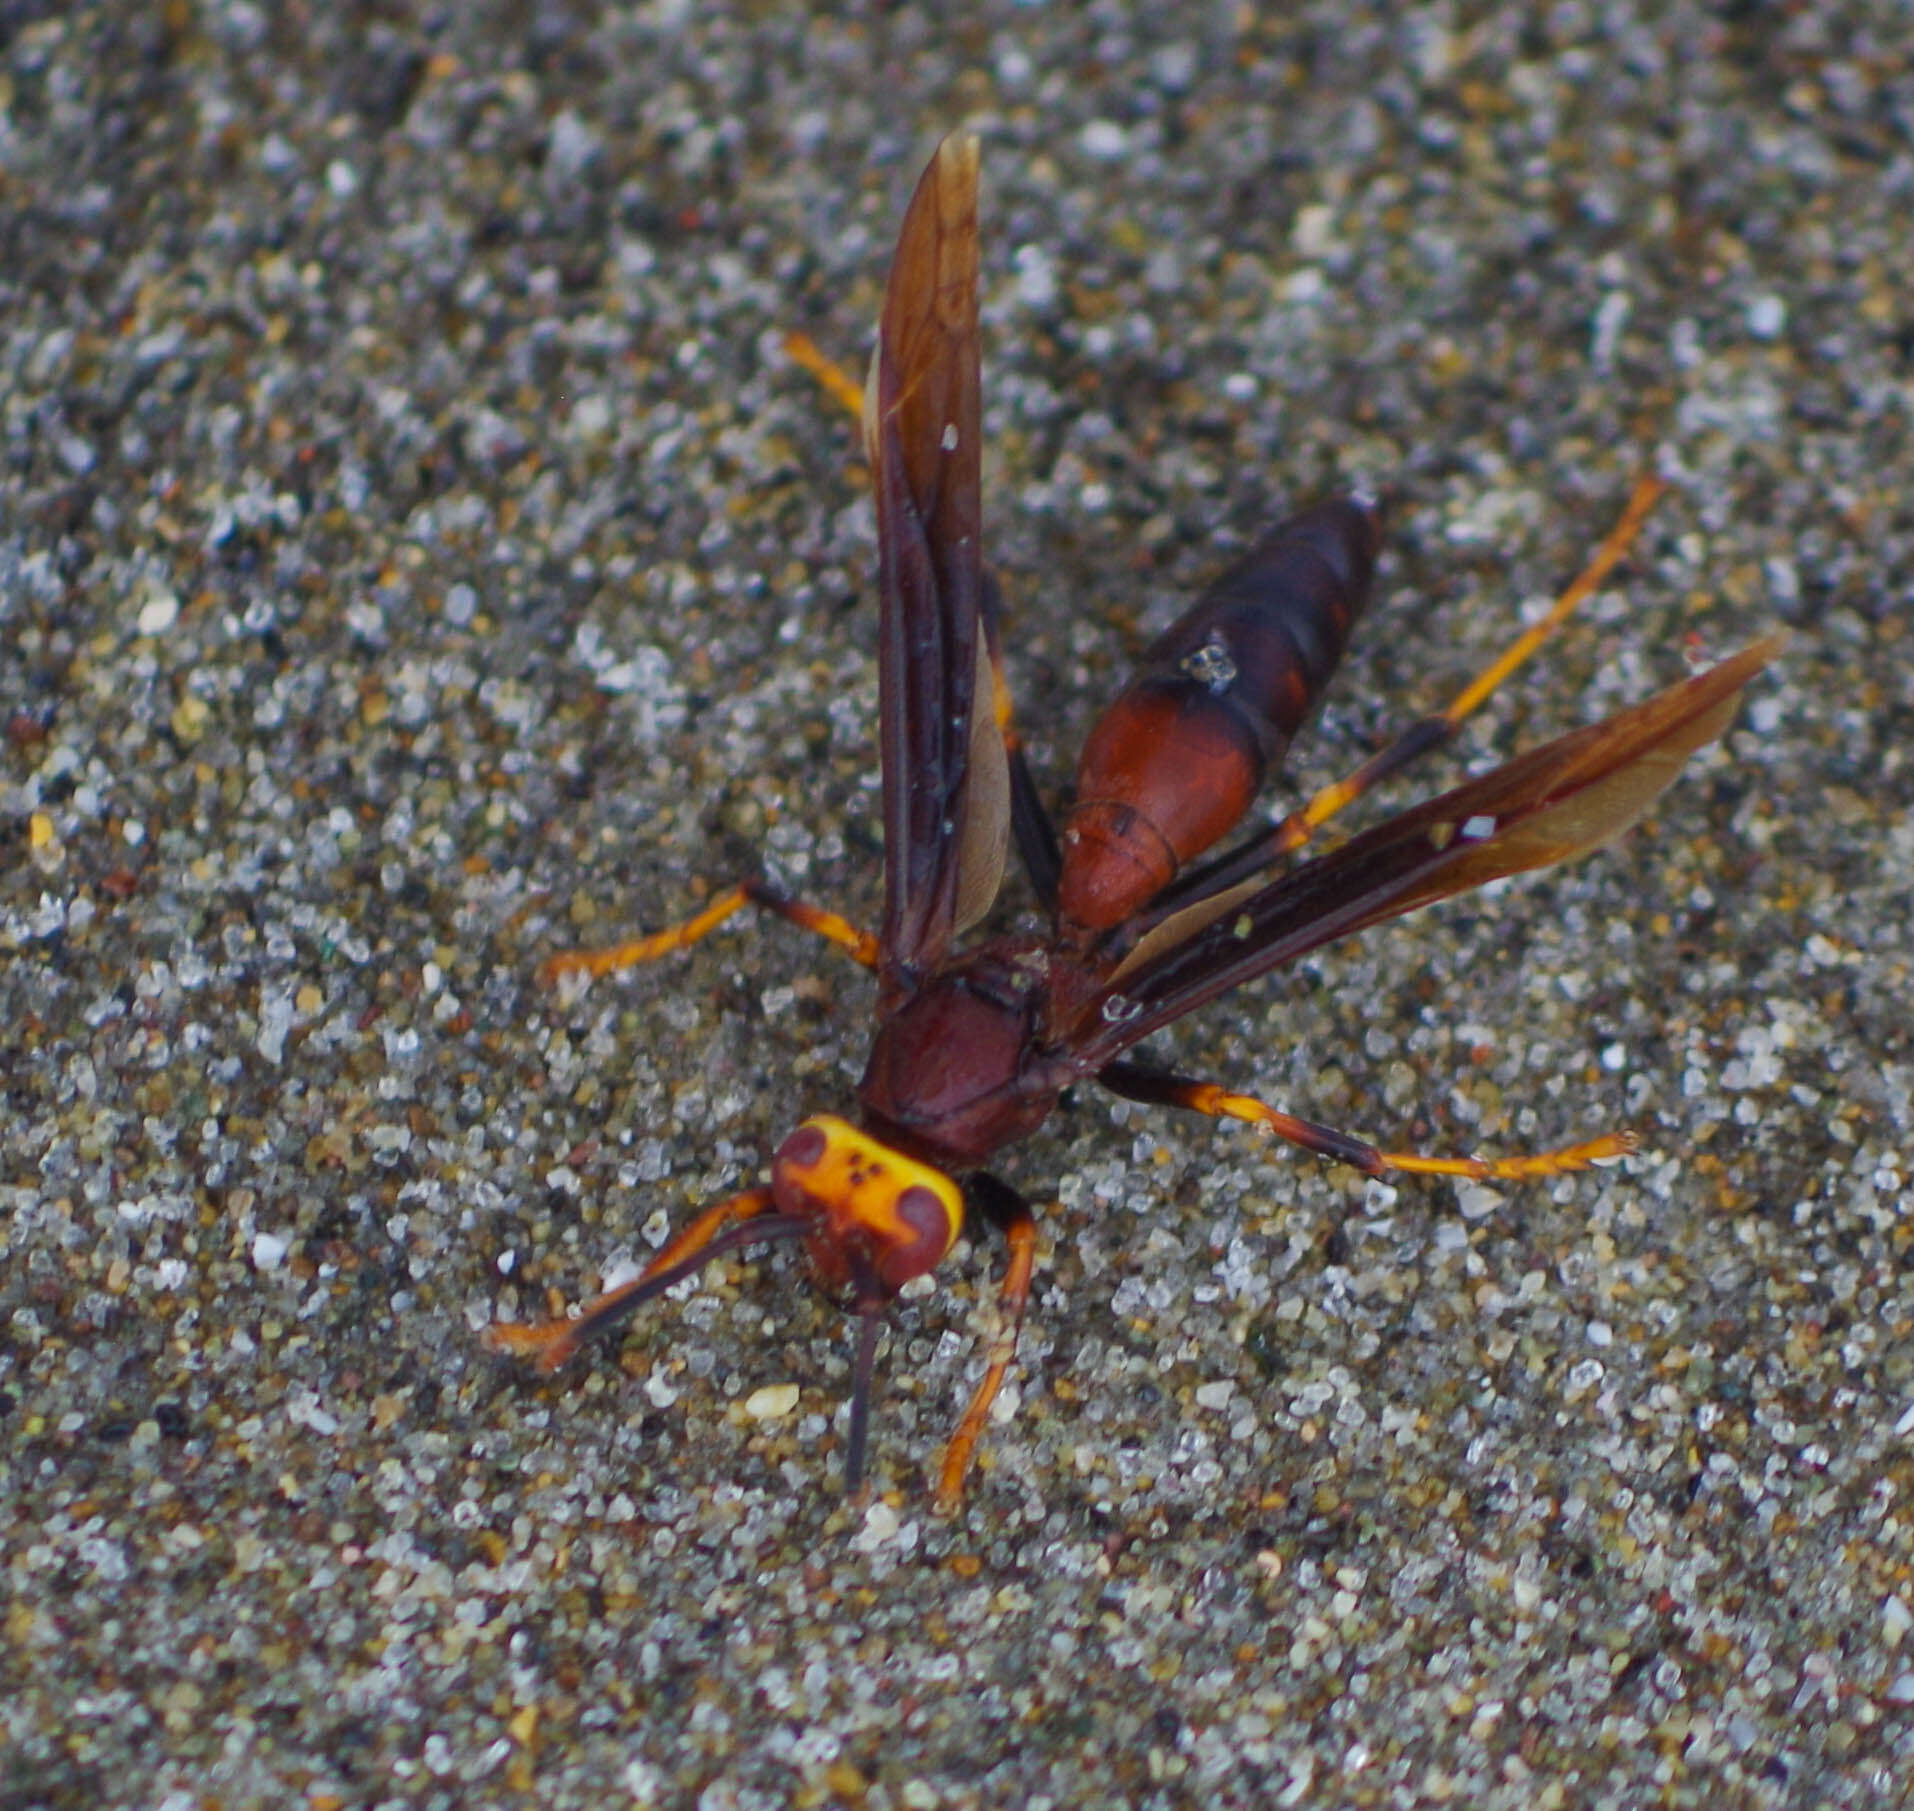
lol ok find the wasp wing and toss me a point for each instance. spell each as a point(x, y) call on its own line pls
point(1553, 803)
point(946, 787)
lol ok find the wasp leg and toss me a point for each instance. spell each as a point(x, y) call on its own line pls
point(550, 1344)
point(1003, 1206)
point(635, 950)
point(836, 382)
point(1136, 1083)
point(843, 388)
point(1432, 732)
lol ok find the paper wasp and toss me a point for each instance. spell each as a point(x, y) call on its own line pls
point(975, 1042)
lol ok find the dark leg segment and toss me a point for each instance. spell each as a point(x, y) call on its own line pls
point(1029, 823)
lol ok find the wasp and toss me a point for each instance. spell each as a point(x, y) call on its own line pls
point(976, 1040)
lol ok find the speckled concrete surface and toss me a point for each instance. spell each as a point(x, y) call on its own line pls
point(415, 554)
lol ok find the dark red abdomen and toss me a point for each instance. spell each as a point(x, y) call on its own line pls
point(1180, 756)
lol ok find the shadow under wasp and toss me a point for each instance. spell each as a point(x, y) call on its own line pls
point(976, 1041)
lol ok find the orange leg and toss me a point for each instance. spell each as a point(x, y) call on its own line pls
point(635, 950)
point(1206, 1097)
point(1013, 1295)
point(836, 382)
point(802, 350)
point(549, 1344)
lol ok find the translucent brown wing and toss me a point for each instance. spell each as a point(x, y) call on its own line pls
point(946, 790)
point(1555, 802)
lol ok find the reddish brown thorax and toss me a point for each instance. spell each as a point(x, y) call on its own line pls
point(954, 1073)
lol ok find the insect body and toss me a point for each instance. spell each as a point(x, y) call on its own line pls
point(975, 1043)
point(1177, 760)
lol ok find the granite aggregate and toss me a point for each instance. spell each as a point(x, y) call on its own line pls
point(418, 554)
